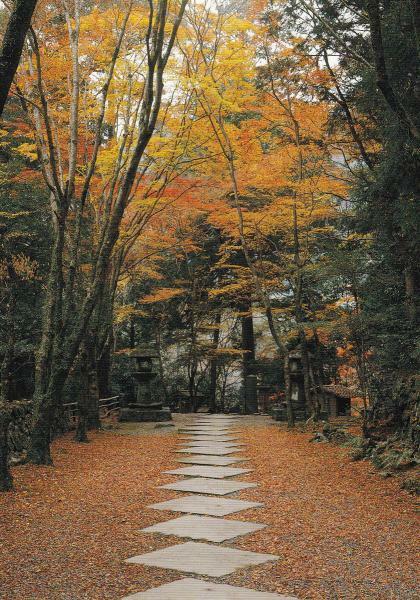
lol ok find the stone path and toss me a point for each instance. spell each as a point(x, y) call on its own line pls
point(209, 446)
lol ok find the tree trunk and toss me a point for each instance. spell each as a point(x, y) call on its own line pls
point(213, 364)
point(248, 360)
point(93, 420)
point(12, 46)
point(288, 392)
point(158, 337)
point(83, 402)
point(103, 370)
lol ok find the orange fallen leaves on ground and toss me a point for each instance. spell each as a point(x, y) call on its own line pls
point(341, 532)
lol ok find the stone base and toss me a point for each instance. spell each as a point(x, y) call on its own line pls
point(141, 415)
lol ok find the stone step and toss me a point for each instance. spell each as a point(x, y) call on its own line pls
point(216, 451)
point(216, 461)
point(202, 485)
point(205, 505)
point(194, 589)
point(204, 528)
point(202, 559)
point(208, 471)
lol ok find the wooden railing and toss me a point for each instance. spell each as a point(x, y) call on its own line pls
point(108, 407)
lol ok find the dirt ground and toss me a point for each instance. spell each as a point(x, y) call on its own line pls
point(341, 531)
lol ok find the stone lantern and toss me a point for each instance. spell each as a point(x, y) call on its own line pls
point(145, 408)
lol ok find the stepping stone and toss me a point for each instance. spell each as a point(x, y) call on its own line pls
point(215, 461)
point(201, 485)
point(204, 528)
point(209, 438)
point(209, 450)
point(202, 559)
point(212, 444)
point(205, 471)
point(217, 423)
point(205, 505)
point(206, 431)
point(201, 432)
point(193, 589)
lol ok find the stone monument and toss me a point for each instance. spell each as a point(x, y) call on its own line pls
point(145, 408)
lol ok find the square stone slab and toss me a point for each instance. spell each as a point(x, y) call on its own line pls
point(202, 559)
point(194, 589)
point(215, 461)
point(202, 485)
point(209, 438)
point(216, 423)
point(211, 443)
point(204, 528)
point(205, 429)
point(205, 505)
point(209, 450)
point(206, 471)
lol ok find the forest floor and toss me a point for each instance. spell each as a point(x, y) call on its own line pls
point(341, 531)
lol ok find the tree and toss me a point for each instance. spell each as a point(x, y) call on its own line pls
point(65, 324)
point(12, 45)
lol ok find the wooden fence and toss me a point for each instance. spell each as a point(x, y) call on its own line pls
point(108, 408)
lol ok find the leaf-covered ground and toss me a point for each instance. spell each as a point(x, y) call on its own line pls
point(341, 531)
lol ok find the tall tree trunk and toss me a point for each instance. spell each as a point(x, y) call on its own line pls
point(83, 401)
point(43, 416)
point(158, 337)
point(103, 368)
point(12, 46)
point(213, 363)
point(6, 480)
point(93, 420)
point(288, 392)
point(248, 360)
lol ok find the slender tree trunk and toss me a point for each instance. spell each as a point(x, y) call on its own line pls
point(6, 480)
point(288, 392)
point(213, 364)
point(43, 415)
point(83, 402)
point(93, 420)
point(248, 360)
point(103, 368)
point(158, 337)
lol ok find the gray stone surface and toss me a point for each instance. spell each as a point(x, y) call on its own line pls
point(215, 461)
point(220, 451)
point(208, 471)
point(194, 589)
point(210, 438)
point(212, 444)
point(209, 431)
point(204, 528)
point(202, 559)
point(205, 505)
point(202, 485)
point(218, 423)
